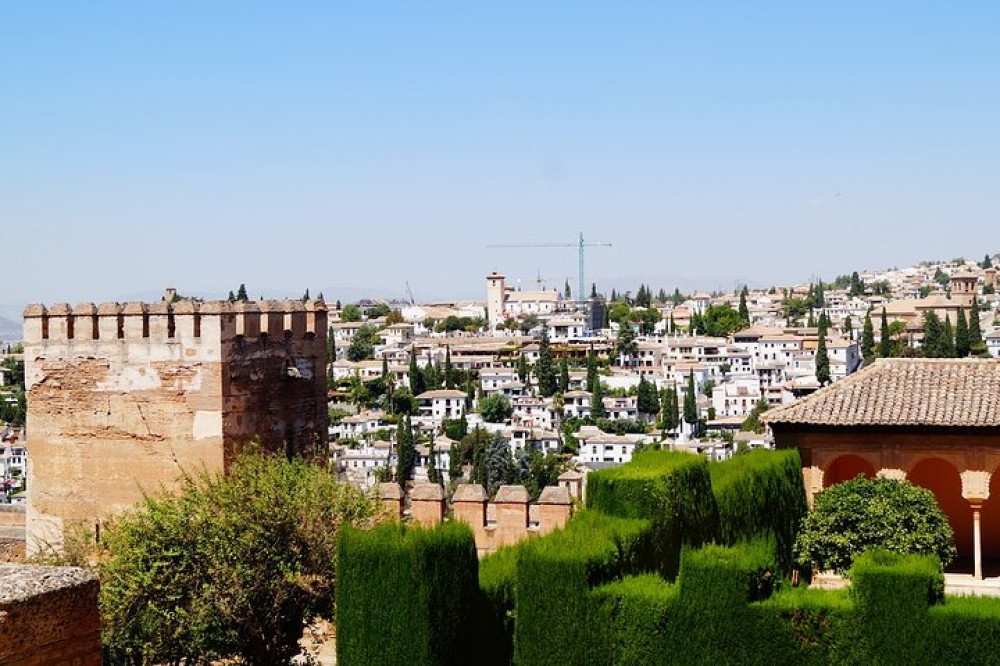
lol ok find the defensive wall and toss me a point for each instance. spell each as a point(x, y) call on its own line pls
point(49, 617)
point(123, 397)
point(509, 519)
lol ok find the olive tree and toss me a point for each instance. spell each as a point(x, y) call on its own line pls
point(862, 514)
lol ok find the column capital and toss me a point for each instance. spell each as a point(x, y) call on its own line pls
point(975, 486)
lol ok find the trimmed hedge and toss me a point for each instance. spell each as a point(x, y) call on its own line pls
point(635, 613)
point(407, 595)
point(761, 494)
point(497, 580)
point(673, 490)
point(557, 621)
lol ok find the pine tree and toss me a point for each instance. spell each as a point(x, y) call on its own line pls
point(545, 370)
point(625, 345)
point(962, 345)
point(691, 405)
point(592, 377)
point(743, 311)
point(947, 339)
point(885, 343)
point(305, 296)
point(976, 345)
point(241, 293)
point(499, 464)
point(822, 358)
point(563, 375)
point(232, 298)
point(868, 339)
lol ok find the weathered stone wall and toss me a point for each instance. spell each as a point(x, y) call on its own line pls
point(12, 515)
point(122, 398)
point(49, 617)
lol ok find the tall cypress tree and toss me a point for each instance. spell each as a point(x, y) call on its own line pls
point(563, 375)
point(947, 339)
point(449, 373)
point(592, 377)
point(417, 383)
point(822, 358)
point(868, 339)
point(743, 311)
point(976, 345)
point(933, 336)
point(962, 345)
point(691, 405)
point(597, 401)
point(544, 370)
point(885, 343)
point(668, 413)
point(406, 452)
point(848, 327)
point(522, 368)
point(647, 402)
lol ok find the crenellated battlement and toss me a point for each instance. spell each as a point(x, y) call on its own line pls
point(184, 320)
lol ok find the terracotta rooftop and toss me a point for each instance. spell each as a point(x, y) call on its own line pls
point(905, 392)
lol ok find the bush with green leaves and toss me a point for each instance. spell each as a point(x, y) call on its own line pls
point(495, 408)
point(229, 567)
point(861, 514)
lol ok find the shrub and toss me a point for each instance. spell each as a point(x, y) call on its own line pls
point(230, 566)
point(861, 514)
point(407, 595)
point(556, 617)
point(673, 490)
point(760, 494)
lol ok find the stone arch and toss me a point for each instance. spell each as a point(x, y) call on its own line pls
point(942, 478)
point(846, 467)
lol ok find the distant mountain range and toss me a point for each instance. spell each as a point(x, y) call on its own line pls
point(10, 329)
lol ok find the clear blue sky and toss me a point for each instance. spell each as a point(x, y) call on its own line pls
point(357, 145)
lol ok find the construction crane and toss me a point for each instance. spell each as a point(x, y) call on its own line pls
point(580, 244)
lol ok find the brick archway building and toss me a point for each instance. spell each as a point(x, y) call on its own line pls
point(935, 422)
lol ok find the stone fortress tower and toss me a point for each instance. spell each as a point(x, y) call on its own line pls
point(963, 288)
point(124, 397)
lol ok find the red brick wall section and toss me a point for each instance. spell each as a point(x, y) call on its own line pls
point(49, 617)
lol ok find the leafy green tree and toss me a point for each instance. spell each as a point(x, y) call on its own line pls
point(522, 368)
point(793, 309)
point(885, 341)
point(868, 339)
point(743, 311)
point(563, 375)
point(862, 514)
point(433, 476)
point(363, 343)
point(752, 422)
point(406, 451)
point(495, 408)
point(986, 262)
point(228, 567)
point(691, 405)
point(454, 462)
point(351, 312)
point(718, 321)
point(848, 326)
point(857, 287)
point(626, 347)
point(545, 371)
point(822, 357)
point(241, 293)
point(499, 464)
point(403, 402)
point(669, 415)
point(647, 319)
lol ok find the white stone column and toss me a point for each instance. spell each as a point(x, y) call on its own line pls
point(976, 490)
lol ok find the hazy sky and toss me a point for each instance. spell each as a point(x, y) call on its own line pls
point(339, 146)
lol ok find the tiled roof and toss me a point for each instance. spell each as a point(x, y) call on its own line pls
point(904, 392)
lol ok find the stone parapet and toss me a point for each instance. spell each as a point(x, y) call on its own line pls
point(49, 617)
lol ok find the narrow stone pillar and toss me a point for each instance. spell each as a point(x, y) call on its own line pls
point(427, 504)
point(554, 508)
point(897, 474)
point(976, 490)
point(512, 514)
point(468, 505)
point(392, 497)
point(812, 478)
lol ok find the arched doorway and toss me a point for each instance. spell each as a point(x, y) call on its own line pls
point(989, 525)
point(941, 478)
point(845, 468)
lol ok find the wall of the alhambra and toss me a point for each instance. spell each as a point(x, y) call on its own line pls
point(112, 418)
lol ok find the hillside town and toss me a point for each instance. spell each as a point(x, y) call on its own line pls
point(591, 381)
